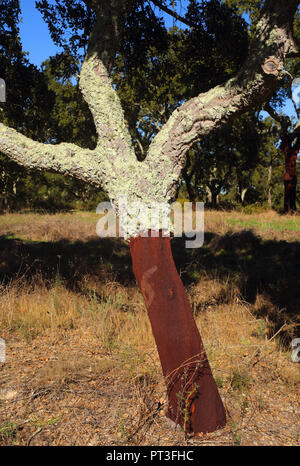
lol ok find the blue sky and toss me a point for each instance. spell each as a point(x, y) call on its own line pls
point(34, 34)
point(37, 41)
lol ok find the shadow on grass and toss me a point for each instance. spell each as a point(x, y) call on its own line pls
point(254, 265)
point(103, 260)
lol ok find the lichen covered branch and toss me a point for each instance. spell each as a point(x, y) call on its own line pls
point(114, 147)
point(258, 78)
point(109, 166)
point(66, 159)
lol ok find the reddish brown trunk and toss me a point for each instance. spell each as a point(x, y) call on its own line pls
point(194, 400)
point(290, 190)
point(290, 177)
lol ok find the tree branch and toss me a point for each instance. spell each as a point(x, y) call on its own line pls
point(66, 159)
point(171, 13)
point(96, 85)
point(283, 120)
point(297, 110)
point(253, 85)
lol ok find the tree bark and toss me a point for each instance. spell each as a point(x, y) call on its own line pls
point(212, 193)
point(290, 177)
point(270, 173)
point(194, 400)
point(215, 199)
point(290, 189)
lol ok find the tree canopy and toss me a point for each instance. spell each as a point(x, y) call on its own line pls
point(154, 70)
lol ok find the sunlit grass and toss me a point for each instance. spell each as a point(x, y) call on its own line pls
point(88, 302)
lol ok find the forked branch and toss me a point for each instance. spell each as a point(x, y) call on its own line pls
point(253, 85)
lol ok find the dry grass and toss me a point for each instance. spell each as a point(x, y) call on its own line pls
point(82, 366)
point(46, 227)
point(268, 224)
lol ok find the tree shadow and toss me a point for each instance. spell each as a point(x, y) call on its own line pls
point(71, 261)
point(254, 265)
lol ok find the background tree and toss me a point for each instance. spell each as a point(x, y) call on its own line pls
point(158, 73)
point(46, 105)
point(27, 100)
point(290, 144)
point(225, 161)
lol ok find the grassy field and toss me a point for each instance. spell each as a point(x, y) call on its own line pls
point(81, 363)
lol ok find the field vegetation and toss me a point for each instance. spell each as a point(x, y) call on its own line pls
point(81, 363)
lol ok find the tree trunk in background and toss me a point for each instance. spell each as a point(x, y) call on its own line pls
point(290, 177)
point(187, 177)
point(208, 195)
point(290, 189)
point(270, 173)
point(194, 400)
point(190, 190)
point(244, 192)
point(214, 198)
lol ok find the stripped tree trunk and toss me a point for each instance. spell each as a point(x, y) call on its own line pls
point(114, 166)
point(194, 400)
point(290, 177)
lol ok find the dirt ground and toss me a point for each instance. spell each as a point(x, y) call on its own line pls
point(61, 390)
point(81, 364)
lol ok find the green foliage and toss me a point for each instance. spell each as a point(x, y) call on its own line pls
point(69, 23)
point(70, 118)
point(252, 7)
point(225, 161)
point(8, 430)
point(215, 47)
point(155, 71)
point(47, 106)
point(158, 69)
